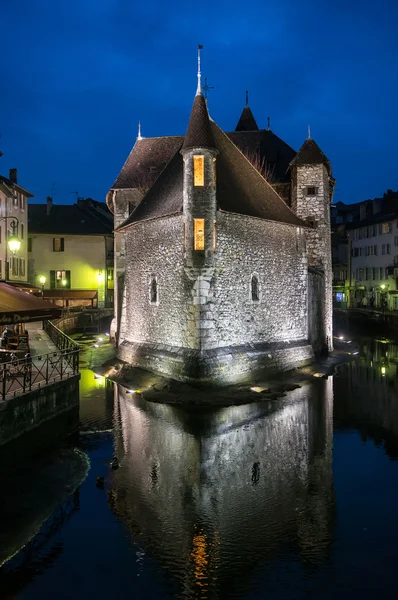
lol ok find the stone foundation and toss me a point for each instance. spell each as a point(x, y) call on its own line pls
point(220, 366)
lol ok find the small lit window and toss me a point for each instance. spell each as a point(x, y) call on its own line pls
point(255, 292)
point(153, 291)
point(199, 234)
point(58, 244)
point(198, 170)
point(311, 191)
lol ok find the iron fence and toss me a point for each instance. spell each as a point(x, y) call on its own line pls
point(60, 339)
point(23, 375)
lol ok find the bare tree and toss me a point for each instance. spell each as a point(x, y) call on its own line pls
point(261, 165)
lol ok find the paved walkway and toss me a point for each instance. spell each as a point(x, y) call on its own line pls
point(39, 341)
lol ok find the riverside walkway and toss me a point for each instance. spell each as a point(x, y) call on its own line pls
point(47, 364)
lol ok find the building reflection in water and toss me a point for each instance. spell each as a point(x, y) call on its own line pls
point(366, 394)
point(211, 495)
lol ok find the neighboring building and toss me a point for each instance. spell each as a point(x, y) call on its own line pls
point(72, 247)
point(373, 253)
point(220, 272)
point(341, 215)
point(13, 210)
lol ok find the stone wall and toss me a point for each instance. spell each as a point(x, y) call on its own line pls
point(205, 320)
point(155, 250)
point(53, 408)
point(275, 254)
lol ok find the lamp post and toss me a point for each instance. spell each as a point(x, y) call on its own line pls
point(64, 282)
point(42, 280)
point(13, 242)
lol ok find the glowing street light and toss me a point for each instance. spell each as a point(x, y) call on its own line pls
point(42, 280)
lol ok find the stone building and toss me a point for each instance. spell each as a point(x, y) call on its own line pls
point(218, 271)
point(14, 222)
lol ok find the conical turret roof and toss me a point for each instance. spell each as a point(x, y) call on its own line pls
point(199, 133)
point(311, 154)
point(247, 122)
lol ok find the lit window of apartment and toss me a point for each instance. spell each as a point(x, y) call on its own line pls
point(58, 277)
point(58, 244)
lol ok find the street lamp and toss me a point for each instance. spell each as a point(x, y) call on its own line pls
point(13, 242)
point(64, 282)
point(42, 280)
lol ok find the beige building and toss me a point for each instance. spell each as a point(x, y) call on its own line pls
point(13, 222)
point(70, 250)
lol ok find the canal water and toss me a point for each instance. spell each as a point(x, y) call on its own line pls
point(290, 498)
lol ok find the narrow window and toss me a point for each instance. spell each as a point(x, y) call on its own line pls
point(311, 191)
point(29, 244)
point(214, 174)
point(199, 234)
point(185, 236)
point(22, 231)
point(214, 236)
point(58, 244)
point(198, 170)
point(255, 289)
point(153, 291)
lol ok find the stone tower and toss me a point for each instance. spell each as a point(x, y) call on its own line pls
point(311, 194)
point(200, 217)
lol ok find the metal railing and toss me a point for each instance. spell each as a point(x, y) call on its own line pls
point(23, 375)
point(60, 339)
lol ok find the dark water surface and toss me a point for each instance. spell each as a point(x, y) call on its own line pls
point(295, 498)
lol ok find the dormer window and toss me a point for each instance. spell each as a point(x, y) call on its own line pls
point(198, 170)
point(311, 191)
point(199, 234)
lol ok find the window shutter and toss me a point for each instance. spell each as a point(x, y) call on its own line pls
point(53, 244)
point(62, 246)
point(67, 272)
point(52, 280)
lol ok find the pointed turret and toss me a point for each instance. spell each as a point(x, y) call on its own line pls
point(198, 134)
point(311, 154)
point(247, 122)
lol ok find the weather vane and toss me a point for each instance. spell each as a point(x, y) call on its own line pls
point(207, 87)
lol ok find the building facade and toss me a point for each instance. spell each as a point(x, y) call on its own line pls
point(71, 247)
point(368, 241)
point(13, 222)
point(219, 272)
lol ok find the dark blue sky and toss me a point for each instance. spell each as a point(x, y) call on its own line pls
point(77, 75)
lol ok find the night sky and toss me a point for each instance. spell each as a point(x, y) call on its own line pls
point(77, 75)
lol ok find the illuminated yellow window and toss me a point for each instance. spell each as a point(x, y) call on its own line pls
point(198, 170)
point(199, 234)
point(214, 173)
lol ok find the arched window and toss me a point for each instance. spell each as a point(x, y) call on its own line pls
point(255, 292)
point(153, 291)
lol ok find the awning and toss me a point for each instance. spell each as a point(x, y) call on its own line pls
point(71, 294)
point(20, 307)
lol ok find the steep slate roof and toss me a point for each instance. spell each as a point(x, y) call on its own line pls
point(247, 122)
point(240, 188)
point(69, 219)
point(269, 148)
point(198, 134)
point(311, 154)
point(147, 153)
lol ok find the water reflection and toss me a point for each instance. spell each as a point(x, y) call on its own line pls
point(366, 394)
point(213, 494)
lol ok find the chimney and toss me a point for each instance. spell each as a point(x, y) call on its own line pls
point(14, 175)
point(49, 205)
